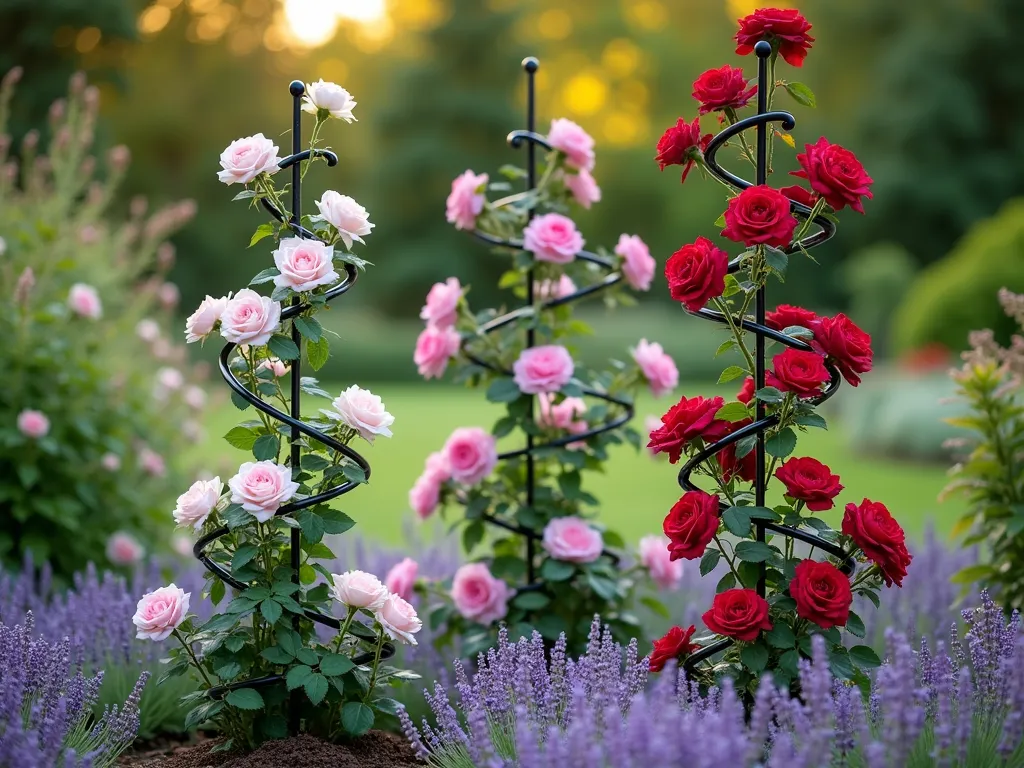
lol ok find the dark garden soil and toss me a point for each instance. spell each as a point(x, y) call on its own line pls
point(377, 749)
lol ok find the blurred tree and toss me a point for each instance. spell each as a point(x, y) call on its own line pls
point(875, 279)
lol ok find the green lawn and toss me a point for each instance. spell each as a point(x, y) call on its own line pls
point(636, 491)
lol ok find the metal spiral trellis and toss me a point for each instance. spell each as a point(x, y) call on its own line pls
point(531, 140)
point(762, 422)
point(294, 419)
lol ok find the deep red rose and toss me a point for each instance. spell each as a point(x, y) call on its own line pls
point(691, 524)
point(696, 273)
point(836, 174)
point(810, 481)
point(786, 315)
point(685, 421)
point(880, 537)
point(798, 194)
point(746, 393)
point(723, 88)
point(846, 345)
point(759, 215)
point(674, 645)
point(799, 372)
point(745, 468)
point(783, 27)
point(682, 145)
point(822, 593)
point(738, 613)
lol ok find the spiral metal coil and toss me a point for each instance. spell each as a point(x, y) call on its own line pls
point(530, 139)
point(762, 421)
point(294, 419)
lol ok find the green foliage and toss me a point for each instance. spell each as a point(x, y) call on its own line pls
point(876, 279)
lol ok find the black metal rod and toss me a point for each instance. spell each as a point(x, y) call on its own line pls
point(531, 65)
point(760, 308)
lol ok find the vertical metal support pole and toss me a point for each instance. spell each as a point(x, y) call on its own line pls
point(759, 304)
point(531, 65)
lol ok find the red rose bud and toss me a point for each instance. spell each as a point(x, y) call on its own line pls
point(834, 173)
point(786, 315)
point(801, 373)
point(783, 27)
point(738, 613)
point(798, 194)
point(759, 215)
point(880, 537)
point(696, 273)
point(810, 481)
point(746, 468)
point(674, 645)
point(724, 88)
point(682, 145)
point(822, 593)
point(846, 345)
point(746, 393)
point(686, 421)
point(691, 524)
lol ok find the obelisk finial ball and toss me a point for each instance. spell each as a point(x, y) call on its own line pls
point(763, 49)
point(296, 87)
point(530, 64)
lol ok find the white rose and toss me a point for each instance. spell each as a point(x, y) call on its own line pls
point(363, 411)
point(196, 504)
point(359, 589)
point(201, 323)
point(261, 488)
point(345, 215)
point(399, 619)
point(245, 159)
point(330, 97)
point(304, 264)
point(250, 318)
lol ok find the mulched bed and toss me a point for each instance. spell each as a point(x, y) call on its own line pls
point(377, 749)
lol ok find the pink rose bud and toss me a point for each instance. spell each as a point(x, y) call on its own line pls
point(250, 318)
point(359, 589)
point(329, 97)
point(148, 330)
point(549, 290)
point(110, 462)
point(425, 495)
point(304, 264)
point(196, 504)
point(637, 263)
point(478, 596)
point(442, 307)
point(651, 423)
point(657, 367)
point(123, 549)
point(363, 411)
point(275, 365)
point(85, 302)
point(543, 369)
point(245, 159)
point(159, 613)
point(170, 379)
point(345, 215)
point(168, 295)
point(466, 200)
point(583, 188)
point(261, 487)
point(201, 323)
point(399, 620)
point(573, 540)
point(576, 144)
point(402, 577)
point(553, 238)
point(471, 454)
point(182, 545)
point(436, 466)
point(565, 416)
point(33, 424)
point(152, 463)
point(434, 348)
point(26, 282)
point(656, 558)
point(194, 397)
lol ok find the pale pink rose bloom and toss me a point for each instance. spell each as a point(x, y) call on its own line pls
point(549, 290)
point(402, 577)
point(33, 424)
point(245, 159)
point(583, 188)
point(572, 539)
point(168, 295)
point(123, 549)
point(442, 307)
point(657, 367)
point(170, 379)
point(194, 397)
point(652, 423)
point(261, 487)
point(345, 215)
point(543, 369)
point(399, 620)
point(359, 589)
point(329, 97)
point(152, 462)
point(304, 264)
point(425, 495)
point(466, 200)
point(553, 238)
point(655, 557)
point(148, 330)
point(275, 365)
point(478, 596)
point(110, 462)
point(182, 545)
point(437, 467)
point(201, 323)
point(471, 454)
point(637, 263)
point(160, 612)
point(85, 302)
point(576, 144)
point(566, 415)
point(363, 411)
point(196, 504)
point(250, 318)
point(434, 348)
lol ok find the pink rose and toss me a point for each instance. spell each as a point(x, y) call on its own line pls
point(549, 290)
point(182, 545)
point(425, 495)
point(573, 540)
point(152, 463)
point(656, 558)
point(553, 237)
point(249, 318)
point(583, 188)
point(543, 369)
point(345, 215)
point(471, 454)
point(442, 307)
point(304, 264)
point(169, 295)
point(566, 415)
point(201, 323)
point(123, 549)
point(572, 141)
point(479, 596)
point(657, 367)
point(196, 504)
point(652, 423)
point(363, 411)
point(275, 365)
point(33, 424)
point(329, 97)
point(85, 302)
point(160, 612)
point(245, 159)
point(434, 348)
point(261, 488)
point(170, 379)
point(402, 577)
point(110, 462)
point(359, 589)
point(466, 200)
point(436, 466)
point(148, 330)
point(399, 620)
point(637, 263)
point(194, 397)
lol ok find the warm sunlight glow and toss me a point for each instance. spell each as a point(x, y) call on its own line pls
point(313, 22)
point(366, 11)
